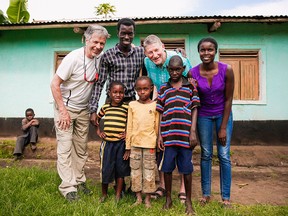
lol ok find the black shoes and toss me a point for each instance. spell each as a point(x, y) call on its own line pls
point(82, 188)
point(72, 196)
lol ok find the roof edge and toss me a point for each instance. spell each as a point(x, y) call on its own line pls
point(144, 20)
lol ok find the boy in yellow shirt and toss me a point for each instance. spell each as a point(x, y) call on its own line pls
point(141, 136)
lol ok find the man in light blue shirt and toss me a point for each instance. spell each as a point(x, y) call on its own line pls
point(157, 60)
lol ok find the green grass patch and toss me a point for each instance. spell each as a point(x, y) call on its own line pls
point(34, 191)
point(7, 142)
point(283, 157)
point(6, 148)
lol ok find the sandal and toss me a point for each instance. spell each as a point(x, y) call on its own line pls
point(182, 197)
point(160, 192)
point(204, 200)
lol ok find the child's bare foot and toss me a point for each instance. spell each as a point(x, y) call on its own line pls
point(189, 209)
point(103, 198)
point(139, 199)
point(147, 201)
point(148, 204)
point(117, 198)
point(168, 204)
point(138, 202)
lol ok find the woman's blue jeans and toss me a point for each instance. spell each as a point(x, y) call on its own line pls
point(206, 127)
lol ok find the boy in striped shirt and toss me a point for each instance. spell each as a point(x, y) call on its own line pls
point(114, 157)
point(177, 104)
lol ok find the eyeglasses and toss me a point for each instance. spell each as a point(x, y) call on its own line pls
point(85, 76)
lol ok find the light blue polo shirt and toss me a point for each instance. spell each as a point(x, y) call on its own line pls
point(160, 75)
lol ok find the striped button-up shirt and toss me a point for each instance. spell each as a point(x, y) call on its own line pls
point(115, 65)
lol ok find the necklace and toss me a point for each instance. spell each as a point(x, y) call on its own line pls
point(85, 76)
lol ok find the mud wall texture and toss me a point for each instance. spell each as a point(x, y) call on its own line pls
point(244, 133)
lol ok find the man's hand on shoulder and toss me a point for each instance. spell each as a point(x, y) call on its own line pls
point(182, 51)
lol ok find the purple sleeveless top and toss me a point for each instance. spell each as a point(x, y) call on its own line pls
point(212, 98)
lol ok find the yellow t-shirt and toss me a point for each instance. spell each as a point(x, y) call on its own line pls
point(142, 126)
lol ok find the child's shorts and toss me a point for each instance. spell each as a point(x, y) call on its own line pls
point(142, 163)
point(112, 164)
point(175, 155)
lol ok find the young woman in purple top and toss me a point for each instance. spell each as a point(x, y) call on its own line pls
point(215, 82)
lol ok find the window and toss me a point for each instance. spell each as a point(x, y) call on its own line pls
point(58, 59)
point(245, 64)
point(171, 44)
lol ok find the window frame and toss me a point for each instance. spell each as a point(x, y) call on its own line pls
point(171, 37)
point(56, 57)
point(261, 67)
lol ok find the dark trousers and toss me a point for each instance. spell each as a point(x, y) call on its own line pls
point(30, 136)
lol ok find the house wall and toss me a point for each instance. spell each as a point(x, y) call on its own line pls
point(270, 39)
point(27, 67)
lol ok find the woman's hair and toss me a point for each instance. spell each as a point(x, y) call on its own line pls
point(144, 78)
point(208, 39)
point(100, 30)
point(114, 83)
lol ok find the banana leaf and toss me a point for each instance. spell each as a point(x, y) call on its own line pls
point(3, 18)
point(17, 11)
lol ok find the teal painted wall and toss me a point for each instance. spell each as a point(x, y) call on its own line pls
point(27, 63)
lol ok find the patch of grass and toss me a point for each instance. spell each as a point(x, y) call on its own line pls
point(283, 157)
point(34, 191)
point(215, 160)
point(196, 173)
point(6, 148)
point(8, 142)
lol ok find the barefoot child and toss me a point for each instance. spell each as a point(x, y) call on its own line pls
point(114, 158)
point(29, 127)
point(142, 129)
point(177, 104)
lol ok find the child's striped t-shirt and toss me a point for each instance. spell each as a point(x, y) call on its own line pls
point(115, 120)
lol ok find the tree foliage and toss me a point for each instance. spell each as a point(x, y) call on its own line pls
point(17, 12)
point(105, 9)
point(3, 18)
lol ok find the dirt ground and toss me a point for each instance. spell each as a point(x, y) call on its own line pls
point(259, 173)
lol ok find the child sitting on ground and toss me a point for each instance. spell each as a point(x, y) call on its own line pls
point(114, 158)
point(177, 104)
point(29, 127)
point(142, 131)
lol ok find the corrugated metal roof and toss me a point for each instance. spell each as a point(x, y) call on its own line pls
point(67, 23)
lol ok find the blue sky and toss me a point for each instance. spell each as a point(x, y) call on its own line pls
point(81, 9)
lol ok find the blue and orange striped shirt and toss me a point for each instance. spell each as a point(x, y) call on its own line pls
point(176, 107)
